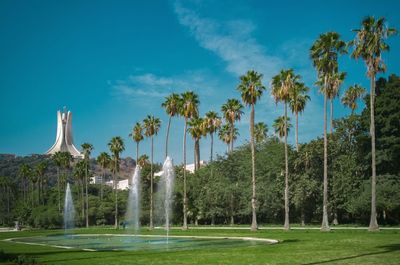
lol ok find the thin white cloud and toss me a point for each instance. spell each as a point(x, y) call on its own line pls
point(232, 41)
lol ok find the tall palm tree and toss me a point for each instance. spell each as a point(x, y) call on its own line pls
point(137, 136)
point(251, 89)
point(351, 96)
point(104, 161)
point(212, 123)
point(335, 81)
point(225, 134)
point(151, 126)
point(171, 106)
point(196, 130)
point(282, 126)
point(57, 158)
point(24, 172)
point(116, 146)
point(79, 175)
point(282, 86)
point(260, 132)
point(297, 103)
point(189, 108)
point(143, 160)
point(232, 112)
point(324, 53)
point(40, 170)
point(87, 149)
point(369, 44)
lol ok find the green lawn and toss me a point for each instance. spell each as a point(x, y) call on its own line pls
point(296, 247)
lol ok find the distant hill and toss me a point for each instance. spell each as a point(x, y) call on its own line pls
point(10, 163)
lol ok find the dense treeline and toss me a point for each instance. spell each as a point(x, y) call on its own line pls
point(219, 192)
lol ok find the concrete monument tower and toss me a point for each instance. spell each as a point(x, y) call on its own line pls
point(64, 140)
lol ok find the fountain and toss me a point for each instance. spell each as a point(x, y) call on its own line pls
point(133, 209)
point(168, 179)
point(69, 210)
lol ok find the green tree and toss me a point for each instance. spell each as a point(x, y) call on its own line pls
point(251, 89)
point(137, 136)
point(350, 97)
point(80, 177)
point(232, 111)
point(225, 134)
point(152, 126)
point(324, 54)
point(283, 85)
point(104, 161)
point(171, 105)
point(189, 109)
point(297, 103)
point(369, 44)
point(260, 132)
point(40, 170)
point(87, 149)
point(212, 123)
point(57, 158)
point(282, 126)
point(196, 130)
point(116, 146)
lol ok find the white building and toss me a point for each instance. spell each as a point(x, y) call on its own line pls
point(189, 167)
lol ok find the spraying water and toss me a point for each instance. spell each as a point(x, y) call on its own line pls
point(133, 210)
point(69, 210)
point(168, 178)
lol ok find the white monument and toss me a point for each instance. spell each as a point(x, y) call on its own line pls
point(64, 140)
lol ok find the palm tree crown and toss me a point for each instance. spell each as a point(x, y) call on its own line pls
point(251, 87)
point(137, 133)
point(189, 106)
point(260, 132)
point(232, 110)
point(279, 126)
point(151, 125)
point(351, 95)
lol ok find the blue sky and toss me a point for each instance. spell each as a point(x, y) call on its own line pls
point(113, 62)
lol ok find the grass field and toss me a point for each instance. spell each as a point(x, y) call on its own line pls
point(345, 246)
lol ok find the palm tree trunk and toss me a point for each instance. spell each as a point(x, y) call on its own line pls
point(325, 223)
point(137, 152)
point(198, 153)
point(58, 188)
point(86, 191)
point(194, 156)
point(151, 186)
point(297, 131)
point(373, 224)
point(167, 137)
point(185, 226)
point(286, 225)
point(253, 172)
point(331, 116)
point(116, 194)
point(232, 130)
point(212, 145)
point(232, 204)
point(103, 175)
point(83, 200)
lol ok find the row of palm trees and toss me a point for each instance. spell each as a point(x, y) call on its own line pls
point(286, 88)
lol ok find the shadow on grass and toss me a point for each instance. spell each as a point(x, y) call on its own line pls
point(387, 249)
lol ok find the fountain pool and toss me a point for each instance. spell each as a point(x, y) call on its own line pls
point(120, 242)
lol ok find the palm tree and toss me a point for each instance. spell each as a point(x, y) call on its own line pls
point(137, 136)
point(188, 109)
point(324, 54)
point(152, 126)
point(212, 123)
point(196, 130)
point(335, 81)
point(369, 44)
point(282, 86)
point(225, 134)
point(79, 175)
point(232, 111)
point(171, 106)
point(24, 172)
point(87, 149)
point(143, 160)
point(104, 160)
point(116, 146)
point(351, 96)
point(280, 125)
point(57, 158)
point(251, 89)
point(297, 103)
point(40, 170)
point(260, 132)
